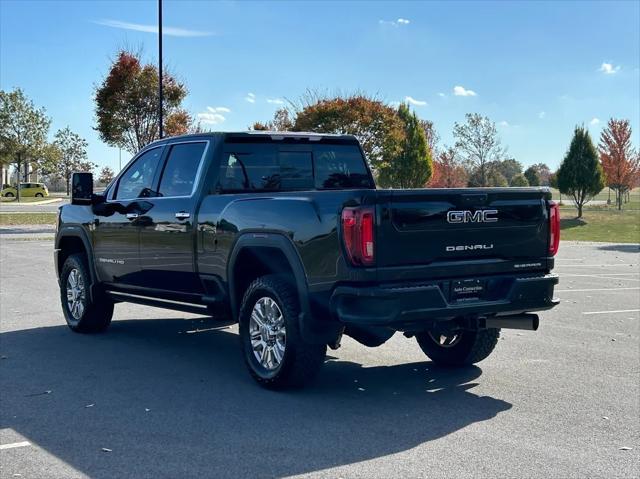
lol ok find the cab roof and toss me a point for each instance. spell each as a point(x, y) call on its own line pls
point(261, 136)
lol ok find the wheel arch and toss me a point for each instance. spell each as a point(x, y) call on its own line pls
point(72, 240)
point(258, 254)
point(268, 253)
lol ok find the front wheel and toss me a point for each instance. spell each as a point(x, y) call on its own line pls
point(8, 195)
point(273, 349)
point(458, 348)
point(83, 314)
point(39, 195)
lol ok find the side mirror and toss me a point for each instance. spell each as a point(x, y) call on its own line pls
point(82, 189)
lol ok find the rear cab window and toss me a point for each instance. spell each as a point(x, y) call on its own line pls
point(272, 167)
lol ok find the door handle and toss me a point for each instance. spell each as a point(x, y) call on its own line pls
point(183, 215)
point(132, 216)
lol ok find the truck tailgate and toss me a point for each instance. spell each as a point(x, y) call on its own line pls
point(430, 226)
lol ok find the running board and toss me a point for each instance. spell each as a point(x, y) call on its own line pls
point(158, 303)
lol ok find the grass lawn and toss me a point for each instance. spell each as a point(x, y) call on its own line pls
point(7, 219)
point(603, 196)
point(600, 225)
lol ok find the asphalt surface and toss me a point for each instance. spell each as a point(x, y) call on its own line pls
point(11, 207)
point(165, 394)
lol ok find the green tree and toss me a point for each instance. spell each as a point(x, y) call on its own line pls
point(127, 104)
point(543, 172)
point(509, 168)
point(494, 179)
point(533, 176)
point(413, 166)
point(106, 175)
point(23, 130)
point(580, 174)
point(48, 162)
point(478, 145)
point(73, 154)
point(376, 125)
point(519, 180)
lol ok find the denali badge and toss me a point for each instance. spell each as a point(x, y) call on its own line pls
point(480, 216)
point(469, 247)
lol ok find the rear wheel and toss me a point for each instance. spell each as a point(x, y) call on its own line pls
point(458, 348)
point(273, 349)
point(39, 195)
point(8, 195)
point(83, 314)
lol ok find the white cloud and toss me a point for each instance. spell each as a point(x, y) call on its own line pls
point(394, 23)
point(503, 123)
point(275, 101)
point(462, 91)
point(213, 115)
point(441, 95)
point(415, 102)
point(609, 69)
point(219, 109)
point(140, 27)
point(542, 114)
point(594, 121)
point(251, 98)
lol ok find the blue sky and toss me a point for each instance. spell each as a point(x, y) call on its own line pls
point(536, 68)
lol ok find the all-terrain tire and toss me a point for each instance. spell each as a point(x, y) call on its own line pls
point(472, 347)
point(88, 315)
point(301, 360)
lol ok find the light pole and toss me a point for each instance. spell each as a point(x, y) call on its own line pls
point(160, 69)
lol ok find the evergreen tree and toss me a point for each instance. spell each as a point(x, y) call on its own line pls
point(413, 166)
point(580, 175)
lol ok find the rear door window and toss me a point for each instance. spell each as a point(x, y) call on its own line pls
point(180, 170)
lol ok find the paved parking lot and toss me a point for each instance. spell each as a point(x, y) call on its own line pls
point(165, 394)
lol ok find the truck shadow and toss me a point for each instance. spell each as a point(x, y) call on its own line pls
point(171, 398)
point(621, 248)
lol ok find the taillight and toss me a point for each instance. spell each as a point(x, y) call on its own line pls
point(358, 235)
point(554, 227)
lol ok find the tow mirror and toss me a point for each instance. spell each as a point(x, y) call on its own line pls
point(82, 189)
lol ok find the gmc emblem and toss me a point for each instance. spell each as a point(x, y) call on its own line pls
point(480, 216)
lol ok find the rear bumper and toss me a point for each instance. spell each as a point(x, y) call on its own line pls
point(413, 306)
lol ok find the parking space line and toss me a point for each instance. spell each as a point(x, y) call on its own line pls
point(603, 274)
point(617, 311)
point(614, 276)
point(594, 289)
point(615, 265)
point(14, 445)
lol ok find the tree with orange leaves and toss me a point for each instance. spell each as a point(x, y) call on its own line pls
point(448, 171)
point(620, 161)
point(127, 104)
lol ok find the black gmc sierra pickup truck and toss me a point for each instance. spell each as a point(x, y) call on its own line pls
point(287, 234)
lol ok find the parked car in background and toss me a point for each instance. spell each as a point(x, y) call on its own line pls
point(39, 190)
